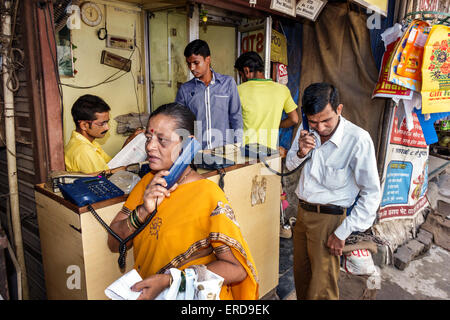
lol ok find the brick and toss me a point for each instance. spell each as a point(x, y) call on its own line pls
point(426, 238)
point(443, 207)
point(425, 233)
point(402, 257)
point(416, 247)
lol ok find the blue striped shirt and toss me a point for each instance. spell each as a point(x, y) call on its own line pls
point(217, 107)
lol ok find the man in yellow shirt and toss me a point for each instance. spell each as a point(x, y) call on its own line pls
point(82, 153)
point(263, 102)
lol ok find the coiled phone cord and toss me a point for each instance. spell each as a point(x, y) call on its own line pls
point(123, 242)
point(281, 174)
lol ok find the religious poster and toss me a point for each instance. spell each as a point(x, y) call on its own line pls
point(406, 172)
point(436, 71)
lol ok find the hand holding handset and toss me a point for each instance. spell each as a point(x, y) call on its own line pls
point(304, 120)
point(189, 149)
point(310, 140)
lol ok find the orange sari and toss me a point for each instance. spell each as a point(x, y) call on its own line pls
point(195, 217)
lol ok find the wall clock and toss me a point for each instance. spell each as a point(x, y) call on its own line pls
point(91, 14)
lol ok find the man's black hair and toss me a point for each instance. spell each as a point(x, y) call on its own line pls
point(197, 47)
point(251, 60)
point(87, 106)
point(317, 96)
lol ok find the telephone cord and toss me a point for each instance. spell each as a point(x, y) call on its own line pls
point(123, 242)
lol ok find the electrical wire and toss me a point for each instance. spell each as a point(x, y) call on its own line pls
point(134, 84)
point(107, 80)
point(9, 62)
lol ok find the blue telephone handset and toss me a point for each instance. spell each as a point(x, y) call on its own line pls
point(304, 120)
point(189, 149)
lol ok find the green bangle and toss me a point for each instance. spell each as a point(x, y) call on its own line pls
point(183, 282)
point(135, 219)
point(130, 218)
point(137, 215)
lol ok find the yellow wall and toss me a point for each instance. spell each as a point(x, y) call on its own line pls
point(161, 26)
point(222, 43)
point(221, 40)
point(120, 94)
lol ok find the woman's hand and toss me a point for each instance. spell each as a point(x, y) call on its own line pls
point(152, 286)
point(155, 192)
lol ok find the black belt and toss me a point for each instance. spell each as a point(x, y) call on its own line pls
point(322, 208)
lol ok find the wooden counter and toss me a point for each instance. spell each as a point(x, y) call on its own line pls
point(79, 265)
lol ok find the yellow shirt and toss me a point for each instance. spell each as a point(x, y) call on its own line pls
point(263, 102)
point(81, 155)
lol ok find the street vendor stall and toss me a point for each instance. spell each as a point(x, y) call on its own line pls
point(79, 265)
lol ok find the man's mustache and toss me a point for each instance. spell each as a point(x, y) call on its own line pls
point(105, 131)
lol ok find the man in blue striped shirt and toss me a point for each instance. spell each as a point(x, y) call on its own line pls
point(212, 97)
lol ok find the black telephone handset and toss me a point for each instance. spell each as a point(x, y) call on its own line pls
point(189, 149)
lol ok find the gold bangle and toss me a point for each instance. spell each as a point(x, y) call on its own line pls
point(170, 280)
point(136, 210)
point(128, 224)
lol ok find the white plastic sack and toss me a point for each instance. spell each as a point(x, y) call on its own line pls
point(359, 262)
point(204, 287)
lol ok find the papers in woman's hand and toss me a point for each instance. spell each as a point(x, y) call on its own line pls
point(121, 288)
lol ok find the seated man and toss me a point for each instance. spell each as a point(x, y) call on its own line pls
point(263, 102)
point(82, 153)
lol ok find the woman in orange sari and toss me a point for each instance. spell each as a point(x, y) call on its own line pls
point(194, 225)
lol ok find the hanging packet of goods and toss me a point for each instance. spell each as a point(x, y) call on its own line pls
point(436, 71)
point(405, 69)
point(384, 88)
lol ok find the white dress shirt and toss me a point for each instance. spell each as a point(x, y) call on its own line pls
point(342, 167)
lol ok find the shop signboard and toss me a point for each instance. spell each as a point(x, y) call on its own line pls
point(254, 41)
point(405, 174)
point(310, 9)
point(284, 6)
point(278, 51)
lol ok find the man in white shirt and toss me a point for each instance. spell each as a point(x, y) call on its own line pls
point(341, 164)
